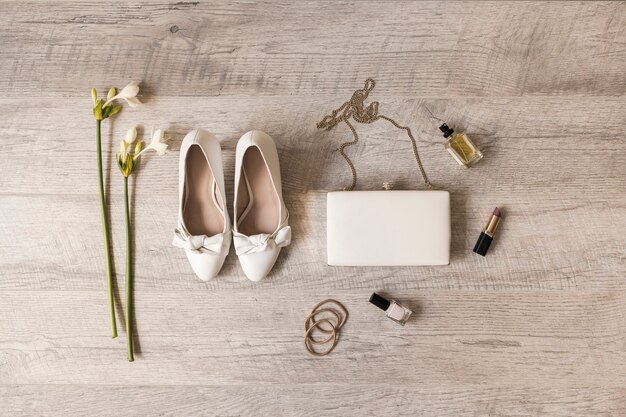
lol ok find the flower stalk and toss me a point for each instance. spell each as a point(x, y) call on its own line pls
point(128, 277)
point(105, 229)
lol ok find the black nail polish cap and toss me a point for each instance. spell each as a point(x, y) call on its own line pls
point(379, 301)
point(482, 244)
point(446, 130)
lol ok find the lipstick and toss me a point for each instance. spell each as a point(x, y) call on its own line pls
point(482, 245)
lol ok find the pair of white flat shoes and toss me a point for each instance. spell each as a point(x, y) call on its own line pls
point(261, 227)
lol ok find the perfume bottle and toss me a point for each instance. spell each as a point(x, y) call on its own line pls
point(460, 147)
point(394, 310)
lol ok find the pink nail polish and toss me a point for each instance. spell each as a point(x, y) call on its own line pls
point(393, 309)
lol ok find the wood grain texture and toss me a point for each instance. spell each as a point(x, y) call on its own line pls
point(190, 48)
point(332, 400)
point(536, 328)
point(463, 336)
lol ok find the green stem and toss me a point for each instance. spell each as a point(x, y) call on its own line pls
point(129, 278)
point(105, 229)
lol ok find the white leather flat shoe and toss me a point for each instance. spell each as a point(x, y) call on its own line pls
point(204, 230)
point(261, 226)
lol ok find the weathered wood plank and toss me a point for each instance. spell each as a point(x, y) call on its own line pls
point(522, 140)
point(312, 400)
point(218, 337)
point(424, 49)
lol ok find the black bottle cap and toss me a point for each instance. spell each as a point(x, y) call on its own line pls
point(379, 301)
point(446, 130)
point(482, 244)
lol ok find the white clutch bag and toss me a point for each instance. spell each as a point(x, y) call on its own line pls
point(388, 228)
point(384, 228)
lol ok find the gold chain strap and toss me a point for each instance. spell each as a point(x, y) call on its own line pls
point(355, 108)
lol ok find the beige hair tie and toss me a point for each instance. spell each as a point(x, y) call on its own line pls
point(311, 323)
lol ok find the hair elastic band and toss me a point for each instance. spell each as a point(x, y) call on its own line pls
point(307, 339)
point(311, 323)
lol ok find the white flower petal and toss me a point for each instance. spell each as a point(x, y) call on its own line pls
point(131, 90)
point(160, 148)
point(132, 101)
point(128, 93)
point(156, 143)
point(131, 135)
point(157, 136)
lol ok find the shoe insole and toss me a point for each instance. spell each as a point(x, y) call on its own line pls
point(202, 213)
point(261, 214)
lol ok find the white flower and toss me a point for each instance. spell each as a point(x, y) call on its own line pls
point(128, 93)
point(156, 143)
point(131, 135)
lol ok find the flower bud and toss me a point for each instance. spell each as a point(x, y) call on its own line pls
point(138, 147)
point(97, 110)
point(131, 135)
point(123, 148)
point(127, 165)
point(111, 93)
point(94, 95)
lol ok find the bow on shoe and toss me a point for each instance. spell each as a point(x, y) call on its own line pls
point(198, 244)
point(262, 242)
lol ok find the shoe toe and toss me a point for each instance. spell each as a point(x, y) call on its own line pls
point(206, 266)
point(256, 266)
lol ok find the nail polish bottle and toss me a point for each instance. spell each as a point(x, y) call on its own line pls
point(460, 147)
point(393, 309)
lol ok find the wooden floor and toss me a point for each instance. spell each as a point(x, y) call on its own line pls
point(536, 328)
